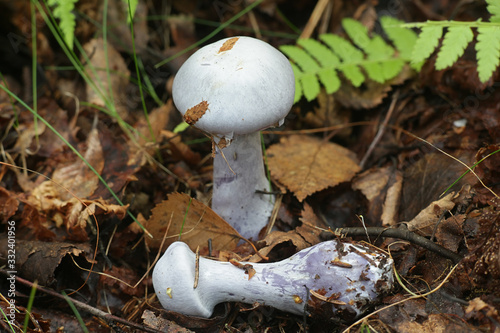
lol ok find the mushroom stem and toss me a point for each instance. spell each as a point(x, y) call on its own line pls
point(326, 278)
point(235, 196)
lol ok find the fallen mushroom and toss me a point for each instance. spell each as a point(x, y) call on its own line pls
point(331, 276)
point(232, 89)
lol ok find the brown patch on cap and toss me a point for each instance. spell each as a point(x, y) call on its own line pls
point(193, 114)
point(228, 44)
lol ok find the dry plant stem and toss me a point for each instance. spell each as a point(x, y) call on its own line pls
point(314, 19)
point(235, 196)
point(400, 233)
point(321, 129)
point(253, 22)
point(325, 21)
point(87, 308)
point(381, 130)
point(274, 214)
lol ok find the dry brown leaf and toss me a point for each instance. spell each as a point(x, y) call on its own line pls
point(119, 280)
point(279, 237)
point(118, 26)
point(304, 236)
point(311, 227)
point(119, 76)
point(180, 150)
point(73, 213)
point(8, 204)
point(34, 225)
point(76, 178)
point(161, 324)
point(198, 225)
point(157, 120)
point(27, 134)
point(449, 233)
point(481, 310)
point(435, 323)
point(425, 180)
point(382, 188)
point(305, 164)
point(122, 161)
point(425, 221)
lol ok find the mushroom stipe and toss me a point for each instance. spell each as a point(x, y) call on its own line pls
point(306, 283)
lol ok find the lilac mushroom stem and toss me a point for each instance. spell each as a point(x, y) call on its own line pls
point(239, 178)
point(331, 276)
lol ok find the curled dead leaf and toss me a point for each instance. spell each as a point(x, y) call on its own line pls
point(191, 222)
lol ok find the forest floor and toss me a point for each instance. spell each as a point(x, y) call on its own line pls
point(376, 156)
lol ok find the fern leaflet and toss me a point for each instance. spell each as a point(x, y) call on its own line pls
point(456, 39)
point(426, 43)
point(357, 32)
point(494, 9)
point(326, 58)
point(488, 51)
point(403, 39)
point(454, 44)
point(62, 9)
point(349, 55)
point(314, 62)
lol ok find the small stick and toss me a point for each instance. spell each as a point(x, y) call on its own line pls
point(401, 233)
point(197, 268)
point(381, 130)
point(314, 18)
point(83, 306)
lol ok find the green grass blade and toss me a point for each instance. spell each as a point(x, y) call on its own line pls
point(29, 306)
point(75, 311)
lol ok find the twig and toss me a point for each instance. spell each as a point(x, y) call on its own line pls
point(314, 18)
point(381, 130)
point(85, 307)
point(401, 233)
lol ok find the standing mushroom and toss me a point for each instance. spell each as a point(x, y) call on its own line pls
point(323, 279)
point(232, 89)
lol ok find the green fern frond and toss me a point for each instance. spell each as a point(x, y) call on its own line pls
point(326, 58)
point(62, 9)
point(378, 52)
point(456, 39)
point(402, 38)
point(317, 63)
point(454, 44)
point(349, 55)
point(301, 58)
point(494, 9)
point(426, 43)
point(305, 69)
point(488, 51)
point(357, 32)
point(320, 52)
